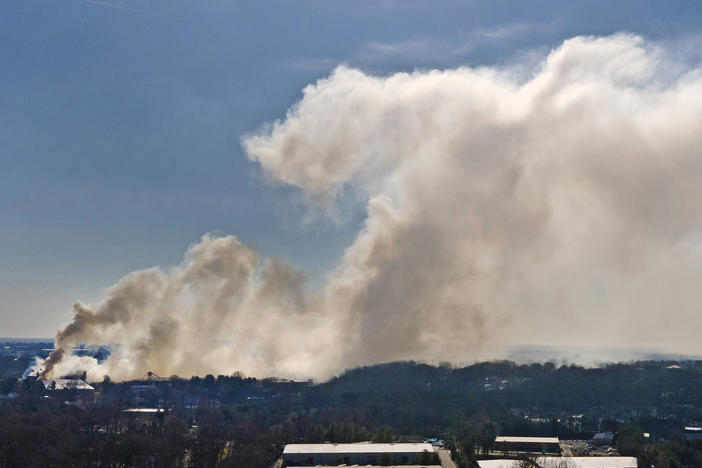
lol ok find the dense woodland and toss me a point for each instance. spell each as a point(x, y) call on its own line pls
point(235, 421)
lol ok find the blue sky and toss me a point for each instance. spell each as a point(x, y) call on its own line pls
point(120, 121)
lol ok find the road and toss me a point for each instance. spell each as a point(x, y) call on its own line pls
point(445, 457)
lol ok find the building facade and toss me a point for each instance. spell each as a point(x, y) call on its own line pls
point(358, 454)
point(533, 445)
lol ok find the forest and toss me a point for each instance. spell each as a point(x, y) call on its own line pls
point(237, 421)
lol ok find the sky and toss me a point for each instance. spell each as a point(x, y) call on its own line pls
point(121, 122)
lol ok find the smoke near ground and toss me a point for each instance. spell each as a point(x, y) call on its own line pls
point(222, 310)
point(559, 205)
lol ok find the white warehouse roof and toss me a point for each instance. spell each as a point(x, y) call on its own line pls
point(574, 462)
point(66, 384)
point(144, 410)
point(532, 440)
point(358, 448)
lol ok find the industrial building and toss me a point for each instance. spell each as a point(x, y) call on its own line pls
point(570, 462)
point(67, 384)
point(374, 466)
point(602, 438)
point(693, 433)
point(359, 454)
point(535, 445)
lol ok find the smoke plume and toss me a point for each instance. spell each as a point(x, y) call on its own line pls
point(561, 205)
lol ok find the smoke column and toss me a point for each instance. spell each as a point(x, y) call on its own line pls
point(552, 206)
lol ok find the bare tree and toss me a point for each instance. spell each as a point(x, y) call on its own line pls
point(528, 461)
point(532, 461)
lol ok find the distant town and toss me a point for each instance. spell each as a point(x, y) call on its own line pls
point(491, 415)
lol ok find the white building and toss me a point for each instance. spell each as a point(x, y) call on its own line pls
point(67, 384)
point(358, 454)
point(566, 462)
point(693, 433)
point(537, 445)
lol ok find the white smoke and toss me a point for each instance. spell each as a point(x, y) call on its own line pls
point(222, 310)
point(559, 207)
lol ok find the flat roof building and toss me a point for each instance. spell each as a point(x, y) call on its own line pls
point(603, 438)
point(144, 410)
point(570, 462)
point(693, 433)
point(359, 454)
point(538, 445)
point(67, 384)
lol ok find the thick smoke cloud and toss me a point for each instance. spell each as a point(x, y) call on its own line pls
point(222, 310)
point(559, 206)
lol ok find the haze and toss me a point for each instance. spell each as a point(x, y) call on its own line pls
point(345, 192)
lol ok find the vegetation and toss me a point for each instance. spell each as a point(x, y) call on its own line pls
point(234, 421)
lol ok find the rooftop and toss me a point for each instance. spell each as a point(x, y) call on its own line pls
point(144, 410)
point(66, 384)
point(574, 462)
point(529, 440)
point(364, 447)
